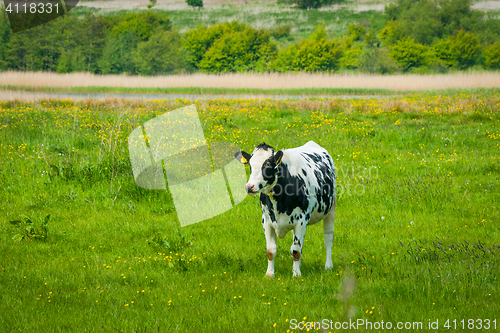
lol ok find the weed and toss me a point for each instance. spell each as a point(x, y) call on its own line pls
point(31, 228)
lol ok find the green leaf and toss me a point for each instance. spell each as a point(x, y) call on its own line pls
point(18, 237)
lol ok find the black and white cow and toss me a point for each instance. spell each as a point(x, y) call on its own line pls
point(297, 189)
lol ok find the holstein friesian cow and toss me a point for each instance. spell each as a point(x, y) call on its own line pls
point(297, 189)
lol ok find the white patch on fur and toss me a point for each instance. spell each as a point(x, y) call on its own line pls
point(259, 156)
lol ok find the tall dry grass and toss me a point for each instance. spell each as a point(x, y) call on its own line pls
point(263, 81)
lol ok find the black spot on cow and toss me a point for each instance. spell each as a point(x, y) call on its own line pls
point(264, 146)
point(313, 157)
point(289, 191)
point(266, 201)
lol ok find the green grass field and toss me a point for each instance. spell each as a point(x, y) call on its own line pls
point(417, 220)
point(265, 15)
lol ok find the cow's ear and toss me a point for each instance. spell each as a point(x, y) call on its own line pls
point(242, 156)
point(277, 157)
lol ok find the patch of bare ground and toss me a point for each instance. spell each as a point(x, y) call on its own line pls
point(262, 81)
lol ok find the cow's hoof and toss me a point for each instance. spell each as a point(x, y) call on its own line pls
point(328, 266)
point(296, 275)
point(269, 275)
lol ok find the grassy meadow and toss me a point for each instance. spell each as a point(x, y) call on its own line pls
point(260, 15)
point(417, 220)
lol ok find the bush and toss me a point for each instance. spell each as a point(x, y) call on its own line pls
point(427, 20)
point(351, 57)
point(316, 53)
point(443, 56)
point(31, 228)
point(307, 4)
point(407, 53)
point(161, 54)
point(286, 60)
point(195, 3)
point(392, 32)
point(351, 51)
point(229, 47)
point(465, 49)
point(139, 25)
point(377, 61)
point(491, 56)
point(283, 30)
point(355, 32)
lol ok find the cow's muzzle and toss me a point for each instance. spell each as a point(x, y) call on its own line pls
point(250, 188)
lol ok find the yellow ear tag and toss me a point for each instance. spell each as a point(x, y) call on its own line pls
point(243, 160)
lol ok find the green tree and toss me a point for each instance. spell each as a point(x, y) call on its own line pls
point(429, 20)
point(392, 32)
point(229, 47)
point(465, 48)
point(355, 32)
point(408, 54)
point(199, 40)
point(5, 36)
point(491, 56)
point(376, 60)
point(125, 33)
point(442, 54)
point(316, 53)
point(88, 43)
point(140, 25)
point(286, 60)
point(351, 53)
point(160, 54)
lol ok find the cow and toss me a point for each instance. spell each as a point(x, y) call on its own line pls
point(297, 189)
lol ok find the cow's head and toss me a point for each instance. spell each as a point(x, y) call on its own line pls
point(264, 164)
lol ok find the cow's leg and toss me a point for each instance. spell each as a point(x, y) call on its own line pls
point(329, 235)
point(270, 246)
point(298, 243)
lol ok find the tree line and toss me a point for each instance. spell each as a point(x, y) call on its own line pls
point(419, 36)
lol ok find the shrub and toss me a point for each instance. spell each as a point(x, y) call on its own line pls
point(351, 51)
point(283, 30)
point(31, 228)
point(351, 57)
point(392, 32)
point(307, 4)
point(316, 53)
point(140, 25)
point(161, 54)
point(286, 60)
point(465, 48)
point(230, 47)
point(151, 4)
point(377, 61)
point(442, 53)
point(195, 3)
point(491, 56)
point(355, 32)
point(428, 20)
point(407, 53)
